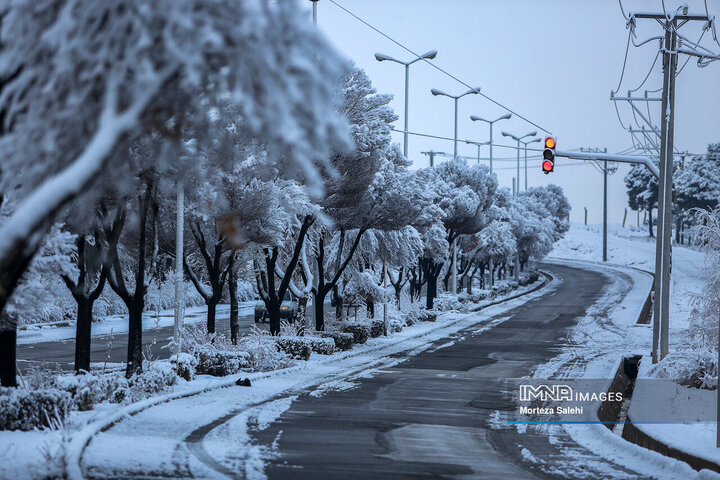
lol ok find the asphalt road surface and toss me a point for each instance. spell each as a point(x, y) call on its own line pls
point(61, 354)
point(430, 416)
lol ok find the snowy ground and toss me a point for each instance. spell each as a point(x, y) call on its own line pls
point(164, 420)
point(119, 324)
point(609, 332)
point(633, 248)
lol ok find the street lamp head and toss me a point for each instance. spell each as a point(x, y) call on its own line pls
point(429, 55)
point(437, 92)
point(475, 118)
point(506, 134)
point(505, 117)
point(531, 134)
point(381, 57)
point(535, 140)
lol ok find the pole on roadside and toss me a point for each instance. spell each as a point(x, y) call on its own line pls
point(179, 255)
point(605, 174)
point(314, 2)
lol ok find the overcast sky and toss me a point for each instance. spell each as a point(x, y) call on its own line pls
point(554, 62)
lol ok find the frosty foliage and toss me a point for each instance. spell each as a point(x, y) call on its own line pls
point(83, 81)
point(697, 180)
point(705, 316)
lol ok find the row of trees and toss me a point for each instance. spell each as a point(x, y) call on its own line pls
point(291, 178)
point(696, 181)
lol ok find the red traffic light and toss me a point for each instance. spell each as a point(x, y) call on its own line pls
point(547, 166)
point(549, 142)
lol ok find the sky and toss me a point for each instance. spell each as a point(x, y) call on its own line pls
point(554, 62)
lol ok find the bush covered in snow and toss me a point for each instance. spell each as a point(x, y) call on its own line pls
point(89, 389)
point(185, 365)
point(692, 367)
point(359, 331)
point(22, 409)
point(377, 328)
point(447, 302)
point(300, 347)
point(343, 341)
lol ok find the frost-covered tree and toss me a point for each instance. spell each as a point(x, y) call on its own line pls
point(705, 316)
point(642, 189)
point(697, 182)
point(78, 78)
point(464, 194)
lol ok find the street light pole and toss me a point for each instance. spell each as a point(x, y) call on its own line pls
point(437, 92)
point(475, 118)
point(526, 168)
point(380, 57)
point(516, 192)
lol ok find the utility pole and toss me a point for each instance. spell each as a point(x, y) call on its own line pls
point(179, 297)
point(671, 22)
point(605, 173)
point(314, 2)
point(431, 154)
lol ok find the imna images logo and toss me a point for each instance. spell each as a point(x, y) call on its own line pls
point(545, 393)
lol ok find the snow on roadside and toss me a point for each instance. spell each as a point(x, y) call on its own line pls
point(176, 420)
point(609, 332)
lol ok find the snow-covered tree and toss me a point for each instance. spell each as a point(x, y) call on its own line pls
point(78, 78)
point(642, 189)
point(697, 182)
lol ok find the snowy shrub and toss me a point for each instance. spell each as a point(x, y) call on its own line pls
point(185, 365)
point(692, 367)
point(377, 328)
point(264, 354)
point(29, 409)
point(359, 332)
point(528, 277)
point(426, 316)
point(155, 379)
point(300, 347)
point(86, 390)
point(446, 302)
point(343, 341)
point(218, 363)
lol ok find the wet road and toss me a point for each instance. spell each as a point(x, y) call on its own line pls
point(432, 415)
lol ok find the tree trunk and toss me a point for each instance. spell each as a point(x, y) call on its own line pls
point(650, 222)
point(319, 306)
point(398, 290)
point(469, 284)
point(83, 334)
point(370, 308)
point(431, 291)
point(8, 359)
point(134, 357)
point(212, 306)
point(234, 307)
point(274, 314)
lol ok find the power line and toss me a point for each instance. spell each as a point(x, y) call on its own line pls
point(438, 137)
point(627, 49)
point(657, 55)
point(438, 68)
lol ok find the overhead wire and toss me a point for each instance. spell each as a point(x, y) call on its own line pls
point(438, 68)
point(622, 73)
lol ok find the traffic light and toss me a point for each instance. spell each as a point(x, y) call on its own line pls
point(548, 163)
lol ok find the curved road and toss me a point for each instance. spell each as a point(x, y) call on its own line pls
point(429, 416)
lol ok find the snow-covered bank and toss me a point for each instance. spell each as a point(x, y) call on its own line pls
point(609, 332)
point(632, 247)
